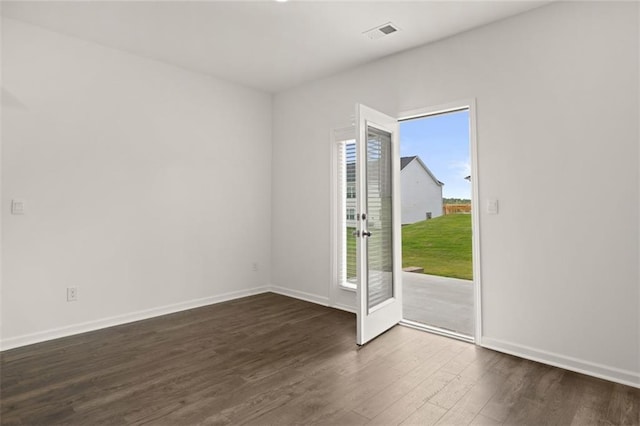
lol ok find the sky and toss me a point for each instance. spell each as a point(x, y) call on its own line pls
point(442, 142)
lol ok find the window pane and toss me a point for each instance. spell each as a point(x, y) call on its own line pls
point(350, 206)
point(346, 214)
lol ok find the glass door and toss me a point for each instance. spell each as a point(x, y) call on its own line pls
point(379, 288)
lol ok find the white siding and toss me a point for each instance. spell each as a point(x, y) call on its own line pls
point(350, 205)
point(419, 194)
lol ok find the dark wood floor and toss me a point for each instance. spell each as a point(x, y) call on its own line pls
point(269, 359)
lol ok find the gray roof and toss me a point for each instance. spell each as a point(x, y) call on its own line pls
point(404, 162)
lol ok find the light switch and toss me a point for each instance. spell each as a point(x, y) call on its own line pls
point(17, 206)
point(492, 206)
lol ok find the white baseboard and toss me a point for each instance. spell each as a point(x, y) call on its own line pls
point(56, 333)
point(617, 375)
point(309, 297)
point(342, 307)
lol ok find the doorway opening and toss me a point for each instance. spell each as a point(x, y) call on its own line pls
point(437, 222)
point(370, 226)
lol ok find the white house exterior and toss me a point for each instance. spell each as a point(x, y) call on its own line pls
point(420, 191)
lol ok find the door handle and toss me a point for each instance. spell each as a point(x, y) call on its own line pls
point(366, 233)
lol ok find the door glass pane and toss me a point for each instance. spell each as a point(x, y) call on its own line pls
point(379, 223)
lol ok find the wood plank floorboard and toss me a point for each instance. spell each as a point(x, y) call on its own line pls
point(272, 360)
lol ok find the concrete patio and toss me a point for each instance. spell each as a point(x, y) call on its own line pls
point(441, 302)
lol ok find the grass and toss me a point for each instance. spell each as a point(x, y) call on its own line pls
point(351, 253)
point(442, 246)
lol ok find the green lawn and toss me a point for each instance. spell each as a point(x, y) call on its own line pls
point(351, 253)
point(442, 246)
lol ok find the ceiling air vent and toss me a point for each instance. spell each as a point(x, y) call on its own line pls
point(381, 31)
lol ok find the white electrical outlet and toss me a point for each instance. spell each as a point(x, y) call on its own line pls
point(72, 294)
point(254, 266)
point(17, 207)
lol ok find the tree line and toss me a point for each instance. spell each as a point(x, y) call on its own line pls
point(456, 201)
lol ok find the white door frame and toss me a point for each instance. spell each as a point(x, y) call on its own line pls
point(469, 104)
point(340, 297)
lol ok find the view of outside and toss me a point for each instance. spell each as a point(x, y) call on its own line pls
point(435, 198)
point(440, 245)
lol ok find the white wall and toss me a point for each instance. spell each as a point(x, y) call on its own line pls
point(557, 113)
point(419, 194)
point(147, 186)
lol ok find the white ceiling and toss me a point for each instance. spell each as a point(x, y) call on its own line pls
point(266, 45)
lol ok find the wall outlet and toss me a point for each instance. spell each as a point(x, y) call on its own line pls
point(17, 207)
point(72, 294)
point(254, 266)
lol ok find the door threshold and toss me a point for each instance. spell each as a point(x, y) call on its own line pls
point(438, 331)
